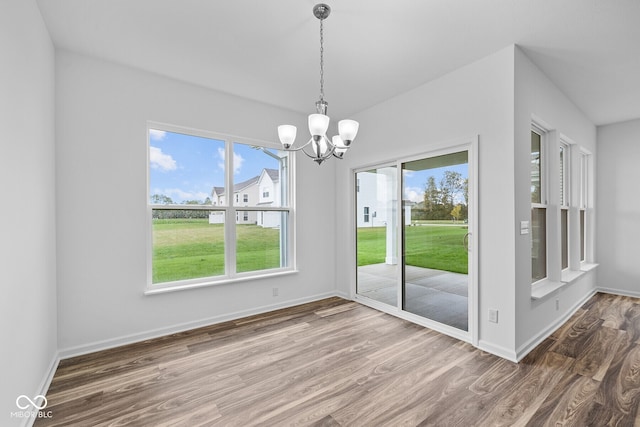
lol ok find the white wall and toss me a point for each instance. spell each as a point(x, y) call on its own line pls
point(536, 95)
point(618, 206)
point(102, 109)
point(27, 173)
point(474, 100)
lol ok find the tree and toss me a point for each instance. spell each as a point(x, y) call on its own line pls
point(465, 189)
point(456, 212)
point(440, 200)
point(431, 195)
point(161, 199)
point(451, 185)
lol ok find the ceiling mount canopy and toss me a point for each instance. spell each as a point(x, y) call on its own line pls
point(320, 147)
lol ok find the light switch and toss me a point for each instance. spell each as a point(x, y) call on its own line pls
point(524, 227)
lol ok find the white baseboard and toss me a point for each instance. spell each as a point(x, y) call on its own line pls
point(342, 295)
point(497, 350)
point(44, 386)
point(155, 333)
point(619, 292)
point(528, 346)
point(500, 351)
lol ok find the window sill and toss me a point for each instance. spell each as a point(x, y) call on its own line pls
point(544, 287)
point(569, 276)
point(161, 289)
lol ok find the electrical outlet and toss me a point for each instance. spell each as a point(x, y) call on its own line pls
point(275, 292)
point(493, 315)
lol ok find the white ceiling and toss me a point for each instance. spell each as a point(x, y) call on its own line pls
point(269, 50)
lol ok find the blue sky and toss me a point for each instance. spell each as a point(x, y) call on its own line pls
point(186, 167)
point(415, 181)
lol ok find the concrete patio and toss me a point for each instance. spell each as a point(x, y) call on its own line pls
point(434, 294)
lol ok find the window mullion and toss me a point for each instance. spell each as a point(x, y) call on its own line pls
point(230, 222)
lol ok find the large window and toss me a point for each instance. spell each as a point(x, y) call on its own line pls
point(538, 209)
point(201, 234)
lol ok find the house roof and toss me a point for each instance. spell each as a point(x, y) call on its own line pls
point(273, 174)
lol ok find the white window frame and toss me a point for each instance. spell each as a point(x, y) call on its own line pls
point(583, 207)
point(544, 189)
point(565, 197)
point(287, 245)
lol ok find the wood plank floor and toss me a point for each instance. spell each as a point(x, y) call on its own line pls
point(338, 363)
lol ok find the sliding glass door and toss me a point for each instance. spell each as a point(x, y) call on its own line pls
point(415, 252)
point(435, 264)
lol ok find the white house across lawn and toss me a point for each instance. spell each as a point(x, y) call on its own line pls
point(261, 190)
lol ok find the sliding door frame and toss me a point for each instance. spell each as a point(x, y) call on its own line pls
point(469, 144)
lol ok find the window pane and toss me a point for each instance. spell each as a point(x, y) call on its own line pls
point(377, 234)
point(536, 196)
point(261, 241)
point(582, 235)
point(185, 169)
point(583, 181)
point(562, 176)
point(259, 176)
point(564, 237)
point(187, 244)
point(538, 244)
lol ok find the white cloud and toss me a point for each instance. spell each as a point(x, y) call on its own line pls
point(157, 135)
point(238, 160)
point(159, 160)
point(415, 194)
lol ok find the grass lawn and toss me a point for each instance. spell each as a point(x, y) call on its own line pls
point(435, 246)
point(192, 248)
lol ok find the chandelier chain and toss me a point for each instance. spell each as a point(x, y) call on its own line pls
point(321, 61)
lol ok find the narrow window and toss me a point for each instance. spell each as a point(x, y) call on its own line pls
point(366, 214)
point(584, 202)
point(564, 204)
point(538, 209)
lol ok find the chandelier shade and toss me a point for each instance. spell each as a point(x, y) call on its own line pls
point(348, 129)
point(320, 147)
point(287, 135)
point(318, 124)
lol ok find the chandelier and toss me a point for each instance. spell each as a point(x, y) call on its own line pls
point(319, 147)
